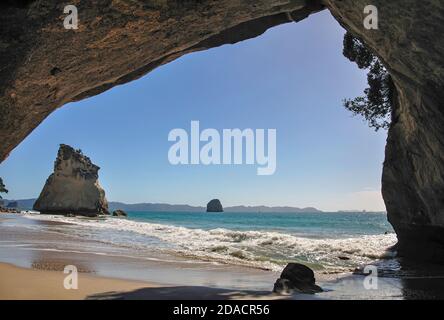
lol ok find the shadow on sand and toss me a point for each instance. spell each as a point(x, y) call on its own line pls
point(185, 293)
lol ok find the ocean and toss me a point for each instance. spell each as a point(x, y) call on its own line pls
point(329, 242)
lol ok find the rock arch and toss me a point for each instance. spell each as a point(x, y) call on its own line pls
point(43, 66)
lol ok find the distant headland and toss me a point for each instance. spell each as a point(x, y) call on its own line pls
point(27, 204)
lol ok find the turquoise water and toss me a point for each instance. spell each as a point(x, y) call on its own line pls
point(333, 242)
point(317, 225)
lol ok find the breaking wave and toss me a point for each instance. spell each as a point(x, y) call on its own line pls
point(260, 249)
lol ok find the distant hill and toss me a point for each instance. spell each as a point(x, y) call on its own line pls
point(163, 207)
point(26, 204)
point(269, 209)
point(159, 207)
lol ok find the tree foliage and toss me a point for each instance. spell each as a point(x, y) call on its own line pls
point(376, 105)
point(2, 187)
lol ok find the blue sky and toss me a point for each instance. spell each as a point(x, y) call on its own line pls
point(293, 78)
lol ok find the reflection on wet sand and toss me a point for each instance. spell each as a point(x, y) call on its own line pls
point(46, 247)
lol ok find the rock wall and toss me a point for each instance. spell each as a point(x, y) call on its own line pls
point(73, 188)
point(44, 66)
point(411, 44)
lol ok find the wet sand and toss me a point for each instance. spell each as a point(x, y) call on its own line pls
point(27, 284)
point(33, 256)
point(32, 260)
point(36, 244)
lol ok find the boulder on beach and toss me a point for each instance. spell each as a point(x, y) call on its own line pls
point(73, 188)
point(296, 277)
point(119, 213)
point(214, 206)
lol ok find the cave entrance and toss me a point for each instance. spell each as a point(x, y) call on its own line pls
point(292, 79)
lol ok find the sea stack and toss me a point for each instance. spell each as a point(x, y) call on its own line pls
point(73, 188)
point(214, 206)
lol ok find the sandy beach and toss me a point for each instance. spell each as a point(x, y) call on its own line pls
point(27, 284)
point(32, 272)
point(22, 283)
point(33, 257)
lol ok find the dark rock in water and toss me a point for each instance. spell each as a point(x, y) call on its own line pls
point(214, 206)
point(119, 213)
point(296, 277)
point(73, 188)
point(9, 210)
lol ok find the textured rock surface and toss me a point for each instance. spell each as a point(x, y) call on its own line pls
point(73, 188)
point(411, 43)
point(119, 213)
point(214, 206)
point(44, 66)
point(296, 277)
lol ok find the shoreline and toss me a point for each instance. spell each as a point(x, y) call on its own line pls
point(232, 243)
point(35, 273)
point(33, 254)
point(29, 252)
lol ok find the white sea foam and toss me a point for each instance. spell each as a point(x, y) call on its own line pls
point(263, 249)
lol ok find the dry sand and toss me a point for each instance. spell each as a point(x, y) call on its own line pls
point(28, 284)
point(21, 283)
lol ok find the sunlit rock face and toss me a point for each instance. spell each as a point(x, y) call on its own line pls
point(73, 188)
point(410, 41)
point(44, 66)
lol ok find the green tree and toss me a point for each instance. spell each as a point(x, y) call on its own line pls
point(2, 188)
point(376, 106)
